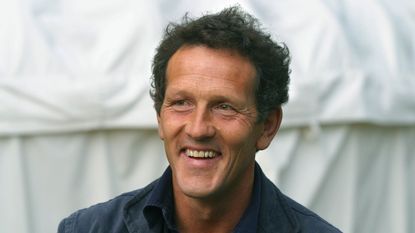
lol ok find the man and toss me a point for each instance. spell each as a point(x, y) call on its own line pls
point(218, 86)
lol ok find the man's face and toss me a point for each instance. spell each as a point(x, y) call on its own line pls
point(208, 121)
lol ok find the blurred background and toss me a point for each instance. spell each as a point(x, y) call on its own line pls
point(77, 125)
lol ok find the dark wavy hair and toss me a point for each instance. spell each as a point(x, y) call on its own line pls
point(236, 30)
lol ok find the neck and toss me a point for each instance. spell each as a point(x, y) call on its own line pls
point(214, 214)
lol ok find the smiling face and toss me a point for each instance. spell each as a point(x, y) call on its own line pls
point(208, 122)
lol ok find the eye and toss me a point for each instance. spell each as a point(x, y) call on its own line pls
point(181, 105)
point(179, 102)
point(225, 109)
point(224, 106)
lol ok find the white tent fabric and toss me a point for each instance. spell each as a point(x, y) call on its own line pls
point(77, 125)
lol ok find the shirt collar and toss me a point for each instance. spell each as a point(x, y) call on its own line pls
point(161, 204)
point(249, 221)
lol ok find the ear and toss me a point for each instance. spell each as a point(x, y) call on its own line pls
point(160, 127)
point(270, 127)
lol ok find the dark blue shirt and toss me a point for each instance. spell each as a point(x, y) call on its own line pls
point(151, 210)
point(160, 205)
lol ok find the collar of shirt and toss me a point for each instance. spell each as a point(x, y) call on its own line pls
point(160, 205)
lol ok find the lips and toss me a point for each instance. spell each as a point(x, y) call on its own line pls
point(204, 154)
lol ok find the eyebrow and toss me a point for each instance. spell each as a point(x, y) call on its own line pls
point(216, 98)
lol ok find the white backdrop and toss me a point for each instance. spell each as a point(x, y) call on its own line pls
point(77, 125)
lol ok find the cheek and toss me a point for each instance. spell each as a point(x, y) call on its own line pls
point(242, 137)
point(169, 125)
point(238, 136)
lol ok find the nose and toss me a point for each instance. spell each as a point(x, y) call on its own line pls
point(200, 125)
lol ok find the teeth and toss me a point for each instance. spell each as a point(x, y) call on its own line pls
point(200, 154)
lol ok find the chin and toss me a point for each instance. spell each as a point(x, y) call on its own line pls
point(198, 191)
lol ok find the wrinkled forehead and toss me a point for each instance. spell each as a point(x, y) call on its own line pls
point(207, 69)
point(220, 62)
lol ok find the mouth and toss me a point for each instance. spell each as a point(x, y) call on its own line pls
point(201, 154)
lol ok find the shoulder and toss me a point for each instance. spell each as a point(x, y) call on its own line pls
point(108, 215)
point(308, 220)
point(291, 214)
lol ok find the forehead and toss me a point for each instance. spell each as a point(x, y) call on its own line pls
point(210, 66)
